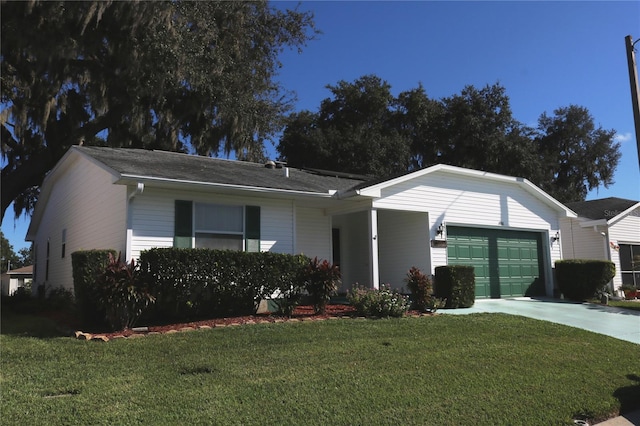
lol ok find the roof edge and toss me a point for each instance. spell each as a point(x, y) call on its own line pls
point(375, 189)
point(128, 178)
point(623, 214)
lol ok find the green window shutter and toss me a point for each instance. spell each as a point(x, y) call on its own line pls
point(252, 228)
point(183, 224)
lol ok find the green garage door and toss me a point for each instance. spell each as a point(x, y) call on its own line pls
point(507, 263)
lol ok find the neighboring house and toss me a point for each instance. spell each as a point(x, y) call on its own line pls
point(16, 278)
point(606, 229)
point(131, 200)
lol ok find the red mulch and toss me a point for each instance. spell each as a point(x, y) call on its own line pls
point(301, 313)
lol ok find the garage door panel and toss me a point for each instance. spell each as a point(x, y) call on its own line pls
point(507, 263)
point(477, 252)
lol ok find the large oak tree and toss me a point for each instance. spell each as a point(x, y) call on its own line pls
point(355, 131)
point(364, 129)
point(180, 75)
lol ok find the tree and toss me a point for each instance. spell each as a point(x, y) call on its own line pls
point(416, 118)
point(7, 255)
point(25, 255)
point(184, 76)
point(575, 156)
point(364, 129)
point(354, 131)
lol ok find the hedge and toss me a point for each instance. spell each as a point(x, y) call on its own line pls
point(581, 279)
point(456, 284)
point(87, 264)
point(188, 283)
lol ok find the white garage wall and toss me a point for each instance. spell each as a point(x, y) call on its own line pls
point(459, 200)
point(403, 241)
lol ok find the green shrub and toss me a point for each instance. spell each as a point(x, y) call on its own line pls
point(60, 298)
point(456, 284)
point(191, 283)
point(378, 303)
point(87, 264)
point(122, 295)
point(581, 279)
point(322, 282)
point(435, 303)
point(18, 297)
point(421, 287)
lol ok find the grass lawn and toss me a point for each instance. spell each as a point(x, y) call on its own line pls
point(488, 369)
point(627, 304)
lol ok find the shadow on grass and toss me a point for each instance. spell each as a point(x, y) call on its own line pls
point(629, 396)
point(29, 325)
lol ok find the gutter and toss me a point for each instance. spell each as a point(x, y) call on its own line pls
point(131, 179)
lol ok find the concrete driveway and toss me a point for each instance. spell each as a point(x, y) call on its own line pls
point(623, 324)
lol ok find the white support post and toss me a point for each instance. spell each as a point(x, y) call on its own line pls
point(373, 249)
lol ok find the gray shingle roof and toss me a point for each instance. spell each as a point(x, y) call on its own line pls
point(192, 168)
point(605, 208)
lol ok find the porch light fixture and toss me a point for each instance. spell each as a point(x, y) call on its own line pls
point(555, 237)
point(440, 230)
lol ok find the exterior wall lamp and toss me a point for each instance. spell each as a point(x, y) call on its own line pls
point(555, 237)
point(440, 230)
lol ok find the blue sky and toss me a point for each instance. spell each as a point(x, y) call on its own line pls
point(546, 54)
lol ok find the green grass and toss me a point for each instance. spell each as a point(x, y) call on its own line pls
point(627, 304)
point(445, 370)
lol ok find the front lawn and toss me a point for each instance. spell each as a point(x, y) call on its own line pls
point(443, 370)
point(626, 304)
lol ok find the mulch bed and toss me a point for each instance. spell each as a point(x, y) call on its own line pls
point(69, 323)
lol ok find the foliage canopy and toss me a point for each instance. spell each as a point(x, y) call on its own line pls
point(183, 76)
point(363, 128)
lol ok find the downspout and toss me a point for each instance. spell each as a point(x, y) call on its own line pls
point(137, 191)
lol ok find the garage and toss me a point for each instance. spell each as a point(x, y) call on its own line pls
point(507, 263)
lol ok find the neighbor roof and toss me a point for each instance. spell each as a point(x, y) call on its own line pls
point(25, 270)
point(134, 163)
point(604, 208)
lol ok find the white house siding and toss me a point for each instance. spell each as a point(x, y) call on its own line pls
point(403, 242)
point(152, 215)
point(354, 250)
point(83, 201)
point(456, 200)
point(276, 225)
point(582, 243)
point(153, 218)
point(313, 233)
point(624, 231)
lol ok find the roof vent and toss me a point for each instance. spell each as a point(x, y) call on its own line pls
point(270, 165)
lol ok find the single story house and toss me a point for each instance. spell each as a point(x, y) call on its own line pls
point(13, 279)
point(131, 200)
point(605, 229)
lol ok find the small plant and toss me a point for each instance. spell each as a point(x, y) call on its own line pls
point(286, 305)
point(435, 303)
point(322, 281)
point(630, 292)
point(122, 294)
point(421, 287)
point(378, 303)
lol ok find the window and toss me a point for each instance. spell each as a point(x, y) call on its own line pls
point(216, 226)
point(64, 242)
point(630, 264)
point(219, 227)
